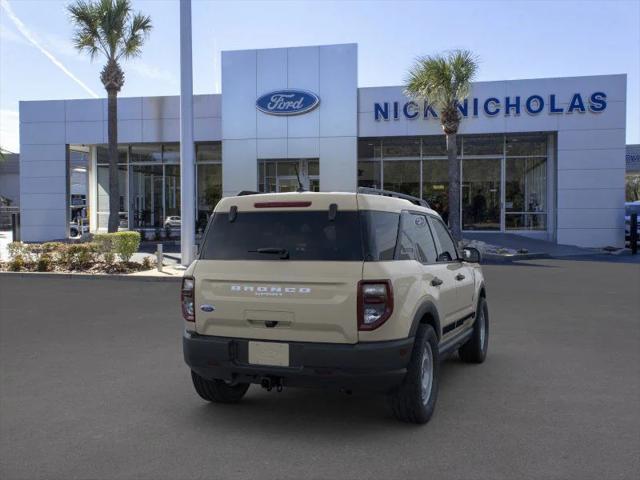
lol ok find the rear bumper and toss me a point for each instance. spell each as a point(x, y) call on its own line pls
point(377, 366)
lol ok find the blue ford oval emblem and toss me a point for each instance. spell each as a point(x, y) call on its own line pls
point(207, 308)
point(287, 102)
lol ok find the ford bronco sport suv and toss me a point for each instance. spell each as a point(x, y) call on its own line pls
point(349, 290)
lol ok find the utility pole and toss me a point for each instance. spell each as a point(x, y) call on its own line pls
point(187, 147)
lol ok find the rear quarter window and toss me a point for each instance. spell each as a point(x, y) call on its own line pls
point(379, 233)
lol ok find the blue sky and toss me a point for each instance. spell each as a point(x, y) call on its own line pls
point(513, 40)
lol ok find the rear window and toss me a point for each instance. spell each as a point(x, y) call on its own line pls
point(308, 235)
point(351, 236)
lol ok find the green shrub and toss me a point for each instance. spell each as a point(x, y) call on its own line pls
point(16, 263)
point(146, 263)
point(126, 244)
point(105, 243)
point(44, 263)
point(16, 249)
point(78, 256)
point(52, 247)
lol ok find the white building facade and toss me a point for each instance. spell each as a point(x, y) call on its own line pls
point(543, 158)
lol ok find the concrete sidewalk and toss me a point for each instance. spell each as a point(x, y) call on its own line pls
point(533, 246)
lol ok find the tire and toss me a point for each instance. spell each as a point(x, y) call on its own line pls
point(218, 391)
point(475, 350)
point(415, 400)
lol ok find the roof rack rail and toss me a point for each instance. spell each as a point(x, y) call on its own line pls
point(246, 192)
point(389, 193)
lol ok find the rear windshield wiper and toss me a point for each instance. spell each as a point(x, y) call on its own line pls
point(283, 252)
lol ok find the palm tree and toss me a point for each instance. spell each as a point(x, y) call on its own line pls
point(444, 81)
point(112, 29)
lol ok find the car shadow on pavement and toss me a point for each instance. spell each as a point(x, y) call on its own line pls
point(316, 411)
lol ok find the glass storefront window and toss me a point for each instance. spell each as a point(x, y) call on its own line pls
point(402, 176)
point(369, 174)
point(102, 190)
point(403, 147)
point(208, 152)
point(286, 175)
point(209, 192)
point(388, 163)
point(526, 144)
point(525, 193)
point(435, 186)
point(435, 146)
point(102, 154)
point(146, 152)
point(483, 145)
point(171, 153)
point(147, 193)
point(481, 194)
point(154, 183)
point(171, 191)
point(369, 148)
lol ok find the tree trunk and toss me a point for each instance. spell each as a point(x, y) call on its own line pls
point(454, 187)
point(114, 184)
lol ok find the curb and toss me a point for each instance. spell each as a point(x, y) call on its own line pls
point(91, 276)
point(496, 258)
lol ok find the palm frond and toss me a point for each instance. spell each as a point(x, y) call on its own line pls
point(109, 27)
point(139, 28)
point(442, 80)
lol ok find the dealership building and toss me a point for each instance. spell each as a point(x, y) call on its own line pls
point(544, 158)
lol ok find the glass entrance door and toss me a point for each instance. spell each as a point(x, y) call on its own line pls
point(481, 194)
point(287, 175)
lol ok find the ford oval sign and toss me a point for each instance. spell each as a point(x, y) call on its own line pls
point(287, 102)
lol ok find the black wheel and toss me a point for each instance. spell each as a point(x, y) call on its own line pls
point(415, 400)
point(218, 391)
point(73, 232)
point(475, 350)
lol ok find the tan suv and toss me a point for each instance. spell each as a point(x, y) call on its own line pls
point(359, 290)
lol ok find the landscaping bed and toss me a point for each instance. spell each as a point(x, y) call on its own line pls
point(108, 253)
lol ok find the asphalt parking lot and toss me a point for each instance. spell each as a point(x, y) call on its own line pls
point(93, 386)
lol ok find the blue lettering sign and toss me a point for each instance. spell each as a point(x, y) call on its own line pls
point(598, 102)
point(552, 105)
point(534, 104)
point(287, 102)
point(464, 107)
point(509, 105)
point(428, 109)
point(496, 104)
point(410, 110)
point(576, 104)
point(492, 106)
point(380, 111)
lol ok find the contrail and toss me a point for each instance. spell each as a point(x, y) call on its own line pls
point(31, 38)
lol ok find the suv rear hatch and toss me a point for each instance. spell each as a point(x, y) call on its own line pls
point(281, 267)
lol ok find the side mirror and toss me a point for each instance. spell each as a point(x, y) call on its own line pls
point(471, 255)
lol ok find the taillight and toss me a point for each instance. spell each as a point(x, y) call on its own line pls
point(186, 299)
point(375, 303)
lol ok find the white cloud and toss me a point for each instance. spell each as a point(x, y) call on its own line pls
point(8, 35)
point(31, 37)
point(151, 72)
point(9, 130)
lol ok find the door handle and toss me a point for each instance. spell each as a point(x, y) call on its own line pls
point(460, 277)
point(436, 282)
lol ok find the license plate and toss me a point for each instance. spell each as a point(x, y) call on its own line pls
point(269, 353)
